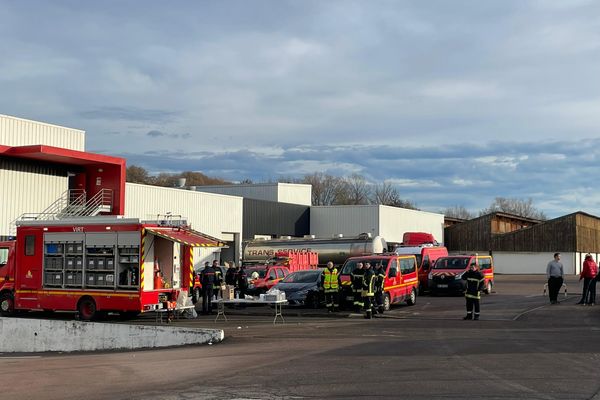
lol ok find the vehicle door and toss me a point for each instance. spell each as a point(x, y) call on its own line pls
point(409, 278)
point(392, 279)
point(424, 270)
point(271, 278)
point(485, 266)
point(5, 272)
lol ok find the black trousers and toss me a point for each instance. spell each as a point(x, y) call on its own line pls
point(331, 300)
point(358, 300)
point(207, 296)
point(472, 303)
point(554, 285)
point(589, 291)
point(368, 302)
point(584, 293)
point(379, 301)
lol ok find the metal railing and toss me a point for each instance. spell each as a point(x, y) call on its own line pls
point(99, 203)
point(71, 204)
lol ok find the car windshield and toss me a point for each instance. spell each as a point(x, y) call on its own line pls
point(451, 263)
point(261, 272)
point(350, 265)
point(303, 277)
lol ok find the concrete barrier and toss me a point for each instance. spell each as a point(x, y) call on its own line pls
point(34, 335)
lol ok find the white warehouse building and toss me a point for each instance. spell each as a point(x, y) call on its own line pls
point(41, 163)
point(388, 222)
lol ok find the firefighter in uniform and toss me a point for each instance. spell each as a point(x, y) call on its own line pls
point(368, 290)
point(218, 279)
point(357, 286)
point(379, 288)
point(475, 282)
point(330, 283)
point(208, 279)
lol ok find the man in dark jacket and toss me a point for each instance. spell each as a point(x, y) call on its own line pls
point(357, 286)
point(230, 274)
point(368, 290)
point(241, 282)
point(379, 287)
point(208, 277)
point(475, 282)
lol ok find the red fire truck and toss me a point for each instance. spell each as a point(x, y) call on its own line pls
point(98, 264)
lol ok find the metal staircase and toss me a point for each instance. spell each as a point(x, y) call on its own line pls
point(71, 204)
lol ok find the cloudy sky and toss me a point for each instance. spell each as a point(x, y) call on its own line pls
point(454, 102)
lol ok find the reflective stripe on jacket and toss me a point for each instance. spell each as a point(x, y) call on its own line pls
point(368, 284)
point(475, 281)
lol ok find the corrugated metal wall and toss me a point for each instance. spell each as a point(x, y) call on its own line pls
point(394, 222)
point(469, 235)
point(275, 219)
point(280, 192)
point(326, 221)
point(27, 187)
point(216, 215)
point(22, 132)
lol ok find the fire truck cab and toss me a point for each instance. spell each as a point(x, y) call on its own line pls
point(98, 264)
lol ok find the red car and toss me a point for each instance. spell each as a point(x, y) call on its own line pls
point(263, 277)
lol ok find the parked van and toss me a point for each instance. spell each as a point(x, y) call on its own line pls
point(426, 255)
point(446, 275)
point(401, 280)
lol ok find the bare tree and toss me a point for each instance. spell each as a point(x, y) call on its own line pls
point(521, 207)
point(385, 194)
point(458, 212)
point(326, 189)
point(355, 191)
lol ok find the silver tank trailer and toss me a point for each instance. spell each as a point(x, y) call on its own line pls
point(329, 249)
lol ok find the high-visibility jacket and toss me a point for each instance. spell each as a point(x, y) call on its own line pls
point(368, 284)
point(475, 281)
point(330, 280)
point(357, 279)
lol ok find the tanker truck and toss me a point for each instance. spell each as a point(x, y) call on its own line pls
point(336, 249)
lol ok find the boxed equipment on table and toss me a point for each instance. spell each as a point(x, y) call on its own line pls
point(228, 292)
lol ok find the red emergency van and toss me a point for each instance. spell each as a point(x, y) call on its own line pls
point(446, 275)
point(426, 255)
point(401, 280)
point(98, 264)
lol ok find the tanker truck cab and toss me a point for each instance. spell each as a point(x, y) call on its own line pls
point(7, 277)
point(401, 280)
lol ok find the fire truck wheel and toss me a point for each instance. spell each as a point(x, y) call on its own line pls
point(86, 308)
point(386, 302)
point(412, 299)
point(488, 288)
point(7, 304)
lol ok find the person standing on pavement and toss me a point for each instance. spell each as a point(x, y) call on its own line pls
point(230, 274)
point(357, 286)
point(475, 281)
point(379, 287)
point(555, 274)
point(208, 278)
point(368, 290)
point(241, 282)
point(218, 279)
point(330, 284)
point(588, 274)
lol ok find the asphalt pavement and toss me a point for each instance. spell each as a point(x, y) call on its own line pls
point(522, 348)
